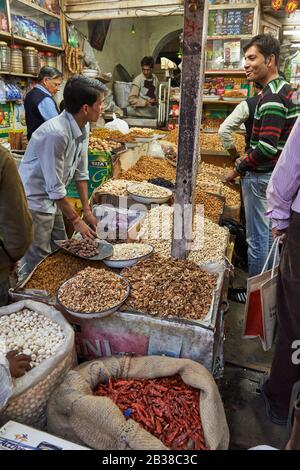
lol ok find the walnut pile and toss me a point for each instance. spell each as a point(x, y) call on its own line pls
point(93, 290)
point(170, 288)
point(84, 248)
point(55, 270)
point(147, 168)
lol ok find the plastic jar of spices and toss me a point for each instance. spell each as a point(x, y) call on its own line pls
point(4, 57)
point(16, 59)
point(31, 60)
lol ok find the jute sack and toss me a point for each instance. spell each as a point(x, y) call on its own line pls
point(31, 392)
point(75, 414)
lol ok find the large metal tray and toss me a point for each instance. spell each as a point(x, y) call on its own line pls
point(87, 315)
point(105, 250)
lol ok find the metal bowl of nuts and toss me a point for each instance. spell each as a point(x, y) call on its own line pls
point(93, 250)
point(128, 254)
point(93, 293)
point(148, 193)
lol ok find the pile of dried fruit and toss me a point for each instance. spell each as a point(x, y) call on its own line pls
point(126, 251)
point(166, 407)
point(208, 247)
point(211, 141)
point(31, 333)
point(213, 206)
point(103, 145)
point(56, 269)
point(170, 288)
point(116, 187)
point(145, 189)
point(93, 290)
point(144, 132)
point(211, 123)
point(103, 133)
point(212, 183)
point(148, 167)
point(213, 169)
point(83, 247)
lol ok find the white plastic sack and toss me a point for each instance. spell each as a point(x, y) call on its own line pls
point(117, 125)
point(155, 150)
point(32, 391)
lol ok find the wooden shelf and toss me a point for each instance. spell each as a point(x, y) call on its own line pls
point(18, 74)
point(220, 102)
point(232, 6)
point(29, 42)
point(5, 34)
point(28, 6)
point(225, 72)
point(230, 36)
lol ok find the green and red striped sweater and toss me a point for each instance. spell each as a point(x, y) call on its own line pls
point(276, 113)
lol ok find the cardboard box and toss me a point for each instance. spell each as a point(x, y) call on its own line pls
point(16, 436)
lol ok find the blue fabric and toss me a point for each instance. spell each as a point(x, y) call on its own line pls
point(34, 117)
point(47, 108)
point(258, 227)
point(57, 152)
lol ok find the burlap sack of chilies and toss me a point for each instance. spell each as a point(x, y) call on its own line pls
point(75, 414)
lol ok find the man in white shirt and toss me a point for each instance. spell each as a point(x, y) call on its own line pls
point(57, 152)
point(243, 114)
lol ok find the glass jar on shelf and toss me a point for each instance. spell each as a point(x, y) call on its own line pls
point(4, 57)
point(51, 59)
point(31, 60)
point(42, 59)
point(16, 59)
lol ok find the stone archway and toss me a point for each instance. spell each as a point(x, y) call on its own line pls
point(164, 41)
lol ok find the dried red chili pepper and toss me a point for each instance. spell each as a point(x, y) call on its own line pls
point(166, 407)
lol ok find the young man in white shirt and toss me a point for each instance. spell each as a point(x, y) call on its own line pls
point(57, 153)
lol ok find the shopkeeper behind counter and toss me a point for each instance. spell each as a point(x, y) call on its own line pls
point(57, 153)
point(39, 103)
point(143, 94)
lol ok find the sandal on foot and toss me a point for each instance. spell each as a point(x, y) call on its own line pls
point(238, 294)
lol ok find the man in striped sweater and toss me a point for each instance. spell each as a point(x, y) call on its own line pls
point(275, 115)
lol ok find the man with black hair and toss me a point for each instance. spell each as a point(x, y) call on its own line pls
point(275, 115)
point(39, 103)
point(143, 94)
point(57, 153)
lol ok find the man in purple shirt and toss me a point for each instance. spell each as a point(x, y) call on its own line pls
point(283, 196)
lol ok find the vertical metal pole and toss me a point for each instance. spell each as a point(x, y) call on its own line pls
point(194, 40)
